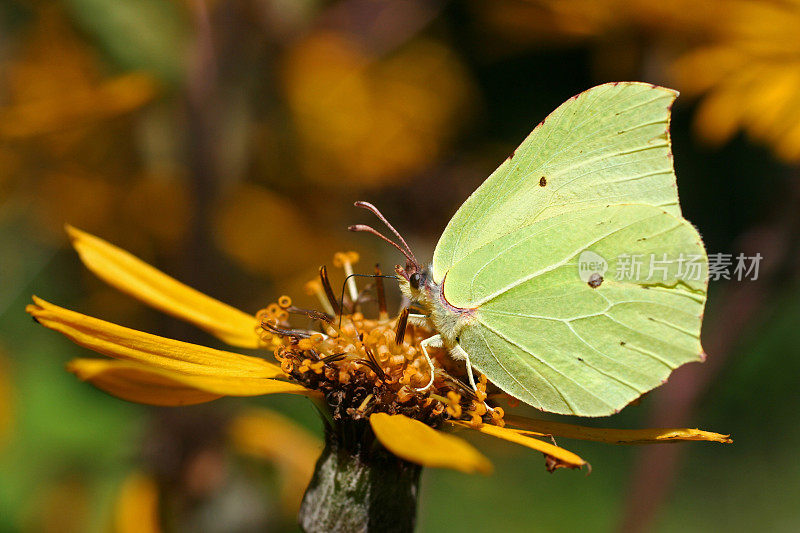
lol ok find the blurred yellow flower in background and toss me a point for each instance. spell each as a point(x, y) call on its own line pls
point(560, 21)
point(65, 127)
point(742, 56)
point(61, 506)
point(749, 74)
point(261, 230)
point(58, 88)
point(370, 120)
point(270, 437)
point(136, 508)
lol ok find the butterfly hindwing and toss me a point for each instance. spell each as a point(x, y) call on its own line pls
point(559, 343)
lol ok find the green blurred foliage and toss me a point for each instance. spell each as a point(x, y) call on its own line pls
point(204, 153)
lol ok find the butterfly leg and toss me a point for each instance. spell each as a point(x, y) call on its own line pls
point(433, 342)
point(461, 353)
point(418, 320)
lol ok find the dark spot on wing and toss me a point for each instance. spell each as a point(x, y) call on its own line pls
point(511, 156)
point(622, 343)
point(580, 359)
point(595, 280)
point(542, 181)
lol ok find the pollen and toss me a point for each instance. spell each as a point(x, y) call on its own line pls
point(354, 359)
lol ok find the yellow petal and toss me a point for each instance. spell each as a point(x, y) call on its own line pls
point(136, 510)
point(133, 276)
point(142, 384)
point(413, 441)
point(613, 436)
point(265, 434)
point(124, 343)
point(560, 455)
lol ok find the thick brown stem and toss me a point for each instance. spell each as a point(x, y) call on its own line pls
point(358, 486)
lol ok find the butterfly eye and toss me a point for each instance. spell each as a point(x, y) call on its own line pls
point(414, 280)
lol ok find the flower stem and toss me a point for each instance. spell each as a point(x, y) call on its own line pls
point(359, 486)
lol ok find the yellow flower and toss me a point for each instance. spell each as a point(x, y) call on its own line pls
point(749, 73)
point(371, 121)
point(59, 87)
point(136, 509)
point(359, 370)
point(742, 56)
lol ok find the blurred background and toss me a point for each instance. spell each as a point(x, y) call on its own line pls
point(224, 141)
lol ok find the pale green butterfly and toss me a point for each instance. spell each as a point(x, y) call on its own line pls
point(569, 277)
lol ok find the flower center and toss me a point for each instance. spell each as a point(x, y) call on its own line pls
point(367, 365)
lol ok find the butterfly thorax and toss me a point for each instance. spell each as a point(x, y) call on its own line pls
point(446, 319)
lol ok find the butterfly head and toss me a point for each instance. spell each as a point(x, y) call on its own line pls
point(414, 281)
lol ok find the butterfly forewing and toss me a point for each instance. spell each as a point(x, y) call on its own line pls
point(607, 145)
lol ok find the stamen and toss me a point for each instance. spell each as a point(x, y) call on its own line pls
point(382, 314)
point(334, 357)
point(297, 333)
point(476, 421)
point(345, 261)
point(311, 313)
point(315, 287)
point(326, 285)
point(454, 404)
point(400, 328)
point(378, 369)
point(364, 404)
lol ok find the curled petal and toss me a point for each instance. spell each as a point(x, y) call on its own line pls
point(143, 384)
point(133, 276)
point(413, 441)
point(556, 456)
point(128, 344)
point(612, 436)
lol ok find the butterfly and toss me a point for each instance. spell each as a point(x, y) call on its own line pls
point(569, 277)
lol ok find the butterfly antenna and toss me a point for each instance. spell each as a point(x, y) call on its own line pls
point(369, 229)
point(374, 210)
